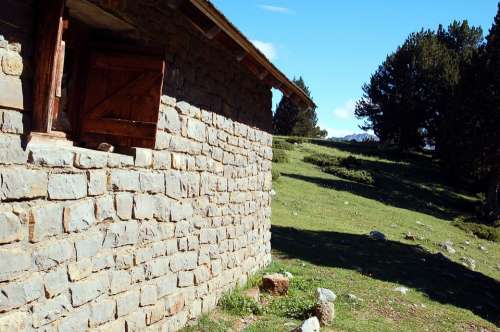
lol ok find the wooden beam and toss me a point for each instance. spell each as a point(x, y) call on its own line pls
point(213, 32)
point(50, 27)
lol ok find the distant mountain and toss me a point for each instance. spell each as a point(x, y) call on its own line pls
point(357, 138)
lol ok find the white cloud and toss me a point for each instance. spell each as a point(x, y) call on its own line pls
point(346, 111)
point(268, 49)
point(276, 9)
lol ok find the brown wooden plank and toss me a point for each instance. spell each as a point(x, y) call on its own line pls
point(115, 127)
point(48, 40)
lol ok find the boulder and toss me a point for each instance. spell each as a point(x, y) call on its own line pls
point(325, 312)
point(325, 295)
point(275, 284)
point(309, 325)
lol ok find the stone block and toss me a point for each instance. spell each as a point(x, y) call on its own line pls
point(14, 321)
point(11, 92)
point(97, 182)
point(166, 285)
point(86, 290)
point(136, 321)
point(14, 263)
point(149, 295)
point(168, 101)
point(121, 180)
point(67, 186)
point(114, 326)
point(124, 259)
point(143, 255)
point(22, 183)
point(148, 232)
point(201, 275)
point(128, 302)
point(163, 206)
point(144, 206)
point(184, 261)
point(79, 216)
point(152, 182)
point(116, 160)
point(80, 269)
point(173, 184)
point(155, 313)
point(174, 304)
point(56, 282)
point(101, 262)
point(162, 140)
point(157, 267)
point(185, 279)
point(51, 157)
point(124, 204)
point(143, 158)
point(120, 282)
point(101, 312)
point(208, 235)
point(91, 159)
point(181, 211)
point(196, 130)
point(76, 322)
point(105, 208)
point(169, 120)
point(121, 234)
point(16, 294)
point(52, 254)
point(10, 228)
point(88, 245)
point(12, 64)
point(162, 160)
point(51, 310)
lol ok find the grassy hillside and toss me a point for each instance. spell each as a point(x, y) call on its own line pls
point(320, 226)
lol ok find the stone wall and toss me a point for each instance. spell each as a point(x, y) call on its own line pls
point(150, 241)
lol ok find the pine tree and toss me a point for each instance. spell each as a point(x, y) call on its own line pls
point(289, 119)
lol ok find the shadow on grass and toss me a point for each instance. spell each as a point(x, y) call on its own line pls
point(433, 274)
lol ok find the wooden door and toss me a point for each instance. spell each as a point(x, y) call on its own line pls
point(122, 99)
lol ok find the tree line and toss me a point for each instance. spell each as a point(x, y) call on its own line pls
point(441, 90)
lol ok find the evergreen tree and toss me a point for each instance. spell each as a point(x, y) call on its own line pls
point(289, 119)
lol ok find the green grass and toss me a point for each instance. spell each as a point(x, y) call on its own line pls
point(320, 226)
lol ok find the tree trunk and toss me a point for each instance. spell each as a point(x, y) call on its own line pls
point(493, 196)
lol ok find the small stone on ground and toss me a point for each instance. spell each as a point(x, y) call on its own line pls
point(275, 284)
point(325, 295)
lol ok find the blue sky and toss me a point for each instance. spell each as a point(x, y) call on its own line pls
point(337, 44)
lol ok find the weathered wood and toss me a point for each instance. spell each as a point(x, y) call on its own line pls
point(213, 32)
point(50, 27)
point(131, 63)
point(116, 127)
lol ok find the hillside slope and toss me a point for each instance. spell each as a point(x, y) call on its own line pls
point(320, 228)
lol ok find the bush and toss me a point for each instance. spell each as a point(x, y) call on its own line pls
point(296, 140)
point(350, 174)
point(322, 160)
point(238, 304)
point(482, 231)
point(283, 145)
point(275, 174)
point(280, 156)
point(350, 162)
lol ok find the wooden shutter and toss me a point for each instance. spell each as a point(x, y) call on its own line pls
point(122, 99)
